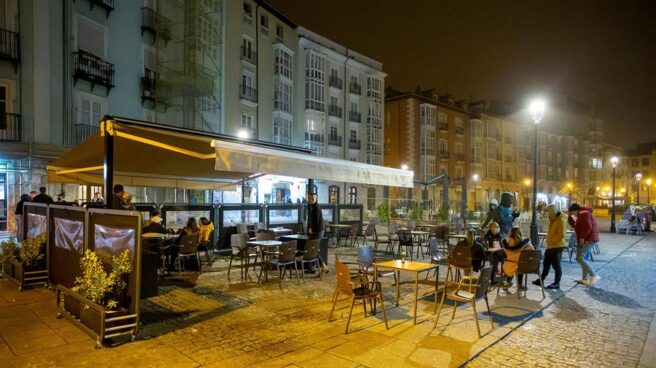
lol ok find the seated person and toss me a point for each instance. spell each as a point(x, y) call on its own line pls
point(205, 227)
point(492, 239)
point(190, 229)
point(154, 226)
point(513, 247)
point(477, 251)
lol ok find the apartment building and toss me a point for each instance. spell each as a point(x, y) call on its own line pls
point(642, 160)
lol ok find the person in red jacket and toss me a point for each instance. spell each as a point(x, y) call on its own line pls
point(587, 235)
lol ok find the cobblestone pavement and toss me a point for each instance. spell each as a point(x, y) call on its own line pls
point(211, 321)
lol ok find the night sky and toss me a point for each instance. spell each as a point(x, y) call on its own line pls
point(600, 52)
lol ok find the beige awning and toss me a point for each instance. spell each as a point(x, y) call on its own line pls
point(145, 155)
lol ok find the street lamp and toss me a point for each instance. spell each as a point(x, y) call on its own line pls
point(570, 186)
point(613, 161)
point(638, 178)
point(527, 183)
point(648, 182)
point(537, 111)
point(475, 178)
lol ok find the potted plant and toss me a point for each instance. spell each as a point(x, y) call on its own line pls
point(94, 303)
point(25, 264)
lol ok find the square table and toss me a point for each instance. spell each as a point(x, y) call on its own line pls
point(407, 266)
point(271, 245)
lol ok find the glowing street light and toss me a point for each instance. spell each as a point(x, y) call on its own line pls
point(537, 111)
point(570, 187)
point(638, 178)
point(404, 167)
point(613, 161)
point(243, 134)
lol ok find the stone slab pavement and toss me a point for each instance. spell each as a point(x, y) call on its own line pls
point(210, 320)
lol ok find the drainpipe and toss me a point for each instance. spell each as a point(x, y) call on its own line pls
point(346, 123)
point(257, 72)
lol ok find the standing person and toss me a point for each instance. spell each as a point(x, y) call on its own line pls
point(315, 218)
point(117, 201)
point(504, 214)
point(42, 197)
point(493, 240)
point(493, 206)
point(19, 216)
point(587, 235)
point(513, 247)
point(555, 244)
point(32, 195)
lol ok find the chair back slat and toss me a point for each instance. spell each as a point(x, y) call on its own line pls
point(287, 252)
point(311, 249)
point(484, 280)
point(460, 256)
point(344, 284)
point(366, 255)
point(529, 261)
point(189, 244)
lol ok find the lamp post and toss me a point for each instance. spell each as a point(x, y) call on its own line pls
point(638, 178)
point(537, 110)
point(570, 187)
point(613, 161)
point(475, 178)
point(527, 183)
point(648, 182)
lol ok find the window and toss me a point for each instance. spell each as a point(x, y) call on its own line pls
point(90, 36)
point(247, 80)
point(282, 128)
point(635, 162)
point(333, 101)
point(283, 61)
point(248, 11)
point(354, 80)
point(90, 108)
point(3, 14)
point(354, 107)
point(333, 133)
point(354, 135)
point(264, 23)
point(247, 121)
point(596, 163)
point(280, 31)
point(645, 161)
point(333, 194)
point(371, 199)
point(428, 142)
point(374, 88)
point(428, 167)
point(282, 95)
point(207, 26)
point(442, 120)
point(443, 146)
point(353, 195)
point(314, 82)
point(459, 172)
point(427, 115)
point(333, 74)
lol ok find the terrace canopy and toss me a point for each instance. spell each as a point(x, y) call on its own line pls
point(144, 154)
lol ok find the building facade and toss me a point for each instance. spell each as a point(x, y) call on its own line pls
point(642, 160)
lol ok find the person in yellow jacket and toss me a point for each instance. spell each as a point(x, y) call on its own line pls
point(556, 242)
point(513, 247)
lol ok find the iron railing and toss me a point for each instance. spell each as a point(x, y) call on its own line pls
point(355, 88)
point(248, 93)
point(155, 23)
point(92, 68)
point(10, 127)
point(249, 55)
point(335, 82)
point(335, 140)
point(82, 132)
point(355, 116)
point(148, 85)
point(9, 46)
point(355, 144)
point(334, 110)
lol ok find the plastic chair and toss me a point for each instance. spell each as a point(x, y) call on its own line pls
point(530, 261)
point(241, 252)
point(188, 248)
point(286, 256)
point(310, 254)
point(405, 240)
point(388, 242)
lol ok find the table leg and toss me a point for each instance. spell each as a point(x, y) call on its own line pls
point(416, 295)
point(398, 286)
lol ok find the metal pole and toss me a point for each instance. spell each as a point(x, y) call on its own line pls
point(108, 169)
point(612, 207)
point(638, 190)
point(534, 219)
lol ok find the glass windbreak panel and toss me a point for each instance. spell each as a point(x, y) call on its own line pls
point(234, 217)
point(287, 216)
point(178, 219)
point(69, 235)
point(36, 225)
point(111, 241)
point(349, 214)
point(327, 214)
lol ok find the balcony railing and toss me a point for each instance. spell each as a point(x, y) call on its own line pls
point(355, 88)
point(335, 140)
point(355, 144)
point(248, 93)
point(335, 111)
point(314, 105)
point(92, 68)
point(443, 126)
point(444, 154)
point(313, 137)
point(148, 85)
point(10, 46)
point(335, 82)
point(155, 23)
point(355, 116)
point(10, 127)
point(248, 55)
point(82, 132)
point(460, 130)
point(107, 5)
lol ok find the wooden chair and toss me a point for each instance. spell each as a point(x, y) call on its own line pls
point(366, 259)
point(356, 290)
point(468, 292)
point(188, 248)
point(310, 255)
point(352, 235)
point(529, 263)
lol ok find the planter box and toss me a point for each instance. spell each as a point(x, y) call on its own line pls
point(23, 275)
point(95, 320)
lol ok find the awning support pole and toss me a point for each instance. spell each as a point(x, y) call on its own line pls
point(108, 170)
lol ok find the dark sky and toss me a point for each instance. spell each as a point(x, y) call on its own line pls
point(601, 52)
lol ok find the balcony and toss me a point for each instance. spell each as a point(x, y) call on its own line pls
point(91, 68)
point(82, 132)
point(247, 93)
point(334, 110)
point(10, 127)
point(355, 117)
point(314, 105)
point(313, 137)
point(355, 89)
point(248, 55)
point(335, 82)
point(443, 126)
point(460, 130)
point(148, 86)
point(156, 24)
point(460, 156)
point(106, 5)
point(335, 140)
point(10, 47)
point(355, 144)
point(444, 154)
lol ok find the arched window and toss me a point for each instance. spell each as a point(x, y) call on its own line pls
point(353, 195)
point(333, 194)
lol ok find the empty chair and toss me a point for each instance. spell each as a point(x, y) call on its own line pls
point(355, 290)
point(284, 258)
point(241, 252)
point(405, 240)
point(468, 292)
point(389, 246)
point(242, 228)
point(258, 226)
point(188, 248)
point(352, 235)
point(265, 235)
point(368, 232)
point(366, 259)
point(310, 255)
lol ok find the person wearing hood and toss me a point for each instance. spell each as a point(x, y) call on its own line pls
point(556, 242)
point(477, 251)
point(587, 235)
point(513, 247)
point(493, 206)
point(493, 240)
point(19, 216)
point(504, 214)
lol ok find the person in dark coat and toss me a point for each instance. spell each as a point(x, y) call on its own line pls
point(19, 216)
point(117, 200)
point(477, 251)
point(42, 197)
point(315, 218)
point(504, 214)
